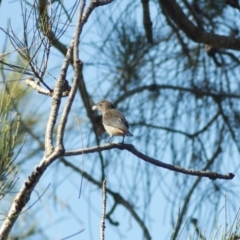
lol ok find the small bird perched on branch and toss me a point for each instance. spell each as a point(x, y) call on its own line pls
point(113, 121)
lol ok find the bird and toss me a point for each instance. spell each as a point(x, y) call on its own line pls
point(113, 121)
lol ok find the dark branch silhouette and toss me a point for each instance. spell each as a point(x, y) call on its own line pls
point(133, 150)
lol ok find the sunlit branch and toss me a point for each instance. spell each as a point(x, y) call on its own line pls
point(36, 85)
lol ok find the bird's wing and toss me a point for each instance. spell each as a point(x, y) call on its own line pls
point(115, 119)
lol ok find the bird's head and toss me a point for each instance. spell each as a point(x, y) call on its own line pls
point(103, 106)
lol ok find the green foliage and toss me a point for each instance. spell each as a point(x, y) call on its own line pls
point(9, 124)
point(221, 231)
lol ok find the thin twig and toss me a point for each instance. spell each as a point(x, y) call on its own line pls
point(104, 202)
point(118, 199)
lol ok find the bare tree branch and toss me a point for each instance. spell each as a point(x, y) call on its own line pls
point(134, 151)
point(57, 100)
point(77, 78)
point(147, 23)
point(198, 92)
point(36, 85)
point(174, 11)
point(23, 196)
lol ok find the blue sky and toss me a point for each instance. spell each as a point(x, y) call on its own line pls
point(67, 214)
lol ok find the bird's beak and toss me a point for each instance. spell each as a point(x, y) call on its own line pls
point(94, 107)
